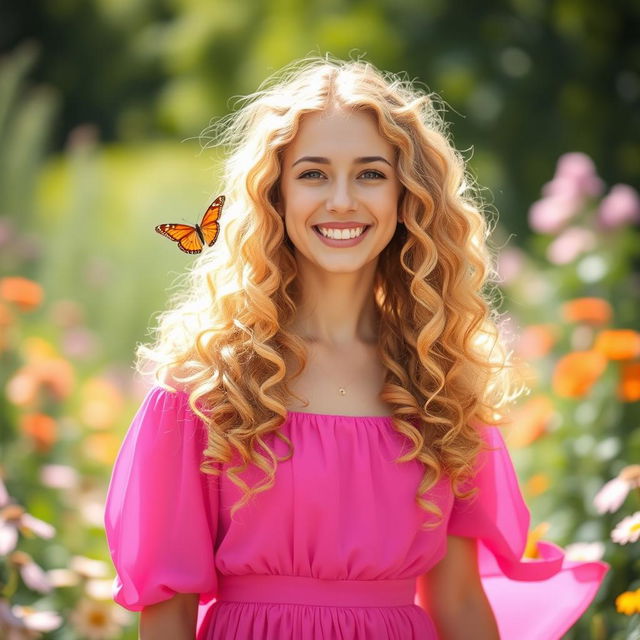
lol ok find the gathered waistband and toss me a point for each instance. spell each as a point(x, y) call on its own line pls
point(314, 591)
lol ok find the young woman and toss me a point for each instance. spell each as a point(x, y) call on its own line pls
point(321, 455)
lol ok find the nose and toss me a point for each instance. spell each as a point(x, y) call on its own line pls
point(340, 199)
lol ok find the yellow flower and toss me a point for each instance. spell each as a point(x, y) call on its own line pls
point(628, 602)
point(538, 483)
point(533, 537)
point(101, 403)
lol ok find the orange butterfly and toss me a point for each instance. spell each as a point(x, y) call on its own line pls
point(192, 239)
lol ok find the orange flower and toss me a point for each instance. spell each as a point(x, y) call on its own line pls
point(536, 341)
point(538, 483)
point(533, 537)
point(529, 421)
point(590, 310)
point(629, 387)
point(55, 375)
point(618, 344)
point(24, 293)
point(41, 429)
point(575, 373)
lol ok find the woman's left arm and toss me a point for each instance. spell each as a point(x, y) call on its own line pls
point(452, 594)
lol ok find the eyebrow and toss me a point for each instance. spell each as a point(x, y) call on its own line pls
point(321, 160)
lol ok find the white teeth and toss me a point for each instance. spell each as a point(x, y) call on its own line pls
point(341, 234)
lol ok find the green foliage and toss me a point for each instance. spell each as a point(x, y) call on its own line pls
point(589, 434)
point(525, 82)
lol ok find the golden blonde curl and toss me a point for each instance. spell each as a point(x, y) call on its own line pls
point(225, 337)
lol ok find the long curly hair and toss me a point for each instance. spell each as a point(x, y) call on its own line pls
point(225, 335)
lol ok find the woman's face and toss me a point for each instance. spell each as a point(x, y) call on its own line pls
point(339, 174)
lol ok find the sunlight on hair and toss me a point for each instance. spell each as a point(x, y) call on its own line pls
point(226, 334)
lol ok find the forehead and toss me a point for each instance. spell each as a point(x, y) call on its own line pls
point(339, 132)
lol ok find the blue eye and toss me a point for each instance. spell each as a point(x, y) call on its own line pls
point(372, 173)
point(313, 174)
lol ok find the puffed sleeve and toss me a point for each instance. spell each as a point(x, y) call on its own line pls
point(161, 510)
point(532, 599)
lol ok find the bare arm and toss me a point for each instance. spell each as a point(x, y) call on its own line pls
point(173, 619)
point(452, 594)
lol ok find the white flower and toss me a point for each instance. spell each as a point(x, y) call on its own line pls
point(88, 567)
point(585, 551)
point(63, 578)
point(25, 623)
point(13, 518)
point(99, 589)
point(614, 492)
point(32, 574)
point(38, 620)
point(627, 530)
point(98, 620)
point(612, 495)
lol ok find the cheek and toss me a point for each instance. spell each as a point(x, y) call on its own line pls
point(299, 203)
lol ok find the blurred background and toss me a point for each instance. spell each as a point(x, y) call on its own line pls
point(102, 103)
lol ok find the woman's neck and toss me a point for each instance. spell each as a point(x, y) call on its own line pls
point(336, 310)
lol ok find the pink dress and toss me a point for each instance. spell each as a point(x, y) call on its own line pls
point(333, 550)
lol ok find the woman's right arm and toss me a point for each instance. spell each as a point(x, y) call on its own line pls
point(172, 619)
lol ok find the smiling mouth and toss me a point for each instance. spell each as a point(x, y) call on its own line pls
point(342, 234)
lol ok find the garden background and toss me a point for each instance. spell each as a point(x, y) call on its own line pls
point(102, 103)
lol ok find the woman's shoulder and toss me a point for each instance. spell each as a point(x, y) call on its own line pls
point(165, 401)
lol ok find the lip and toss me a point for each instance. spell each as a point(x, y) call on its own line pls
point(343, 243)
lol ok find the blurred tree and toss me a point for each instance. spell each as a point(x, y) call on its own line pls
point(530, 79)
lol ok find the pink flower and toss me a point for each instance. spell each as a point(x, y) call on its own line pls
point(570, 244)
point(576, 174)
point(59, 476)
point(7, 231)
point(80, 343)
point(621, 206)
point(585, 551)
point(551, 214)
point(574, 181)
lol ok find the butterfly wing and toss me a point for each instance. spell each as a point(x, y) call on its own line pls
point(209, 226)
point(184, 234)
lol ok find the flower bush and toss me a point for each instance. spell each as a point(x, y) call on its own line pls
point(66, 398)
point(575, 436)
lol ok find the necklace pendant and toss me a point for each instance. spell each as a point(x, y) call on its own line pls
point(342, 391)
